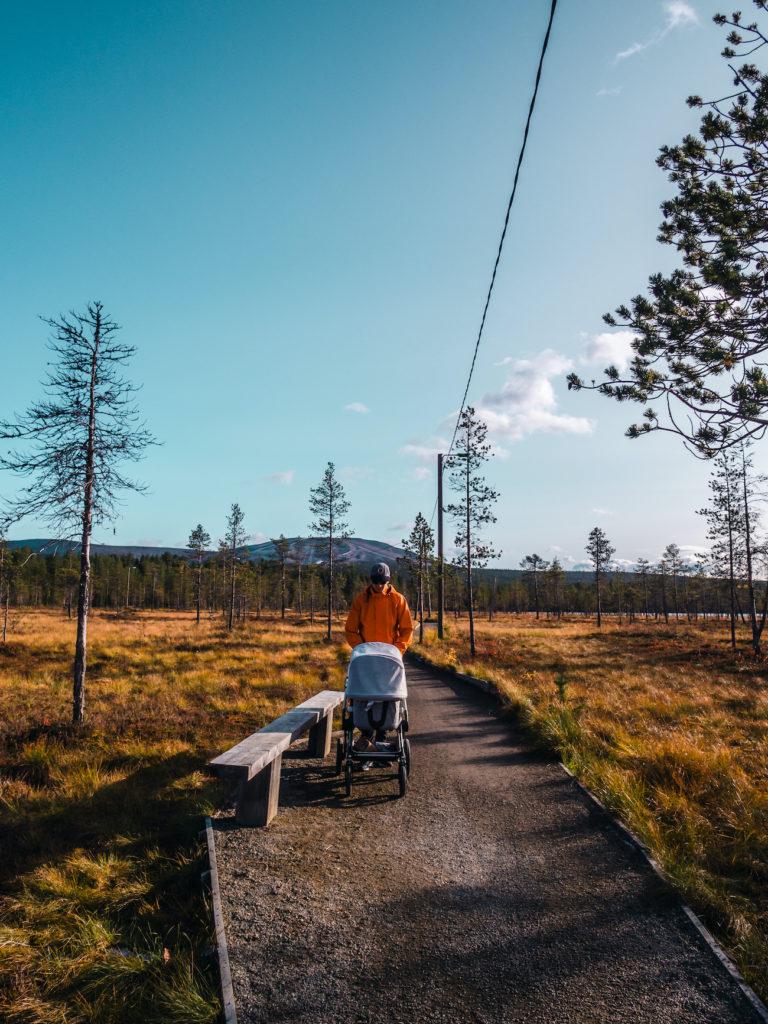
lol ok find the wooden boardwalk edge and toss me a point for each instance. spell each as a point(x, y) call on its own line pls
point(722, 957)
point(227, 992)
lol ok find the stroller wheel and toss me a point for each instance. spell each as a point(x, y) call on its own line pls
point(402, 779)
point(339, 756)
point(348, 778)
point(407, 748)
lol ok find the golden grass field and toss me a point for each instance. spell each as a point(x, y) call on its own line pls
point(669, 729)
point(103, 917)
point(102, 914)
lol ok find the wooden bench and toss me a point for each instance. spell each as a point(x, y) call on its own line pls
point(255, 762)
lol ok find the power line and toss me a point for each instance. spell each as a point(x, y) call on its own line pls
point(506, 218)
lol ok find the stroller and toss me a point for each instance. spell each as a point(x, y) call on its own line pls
point(375, 693)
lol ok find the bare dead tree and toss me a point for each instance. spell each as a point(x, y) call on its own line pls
point(73, 444)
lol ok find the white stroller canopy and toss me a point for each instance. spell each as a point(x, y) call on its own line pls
point(376, 672)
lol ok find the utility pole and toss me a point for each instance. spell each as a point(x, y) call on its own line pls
point(440, 556)
point(440, 560)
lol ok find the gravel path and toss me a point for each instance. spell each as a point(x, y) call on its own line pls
point(491, 893)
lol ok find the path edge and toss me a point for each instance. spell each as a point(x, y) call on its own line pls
point(725, 961)
point(225, 975)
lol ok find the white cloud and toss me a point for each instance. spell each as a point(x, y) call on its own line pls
point(397, 528)
point(421, 473)
point(677, 14)
point(284, 477)
point(603, 511)
point(356, 407)
point(615, 91)
point(611, 348)
point(527, 403)
point(632, 50)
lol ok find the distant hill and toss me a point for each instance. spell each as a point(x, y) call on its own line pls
point(354, 550)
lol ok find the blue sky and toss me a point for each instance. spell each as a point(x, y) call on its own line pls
point(293, 209)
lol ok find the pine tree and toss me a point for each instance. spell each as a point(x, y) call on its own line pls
point(533, 566)
point(328, 504)
point(419, 547)
point(701, 335)
point(234, 538)
point(643, 568)
point(601, 552)
point(752, 487)
point(198, 543)
point(555, 578)
point(473, 508)
point(724, 517)
point(298, 554)
point(73, 446)
point(282, 551)
point(673, 566)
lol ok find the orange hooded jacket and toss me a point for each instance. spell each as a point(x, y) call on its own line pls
point(383, 617)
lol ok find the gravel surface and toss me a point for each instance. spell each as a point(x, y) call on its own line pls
point(491, 893)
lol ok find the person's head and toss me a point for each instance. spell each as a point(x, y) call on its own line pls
point(379, 576)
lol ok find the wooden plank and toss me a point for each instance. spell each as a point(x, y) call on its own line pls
point(248, 757)
point(227, 991)
point(257, 797)
point(324, 699)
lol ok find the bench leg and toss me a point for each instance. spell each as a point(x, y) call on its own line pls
point(320, 737)
point(257, 799)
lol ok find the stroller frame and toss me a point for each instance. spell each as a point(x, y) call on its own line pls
point(375, 676)
point(397, 751)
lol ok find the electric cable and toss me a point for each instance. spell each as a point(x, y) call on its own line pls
point(520, 158)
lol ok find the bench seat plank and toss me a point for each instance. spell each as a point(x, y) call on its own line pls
point(252, 754)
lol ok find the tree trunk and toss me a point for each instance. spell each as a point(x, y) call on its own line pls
point(231, 616)
point(750, 581)
point(469, 570)
point(422, 570)
point(330, 587)
point(731, 571)
point(599, 604)
point(83, 592)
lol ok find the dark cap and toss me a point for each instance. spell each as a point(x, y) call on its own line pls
point(380, 573)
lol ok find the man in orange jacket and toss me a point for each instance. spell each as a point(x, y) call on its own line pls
point(379, 613)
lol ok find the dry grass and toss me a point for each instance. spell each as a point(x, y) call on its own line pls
point(102, 914)
point(670, 730)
